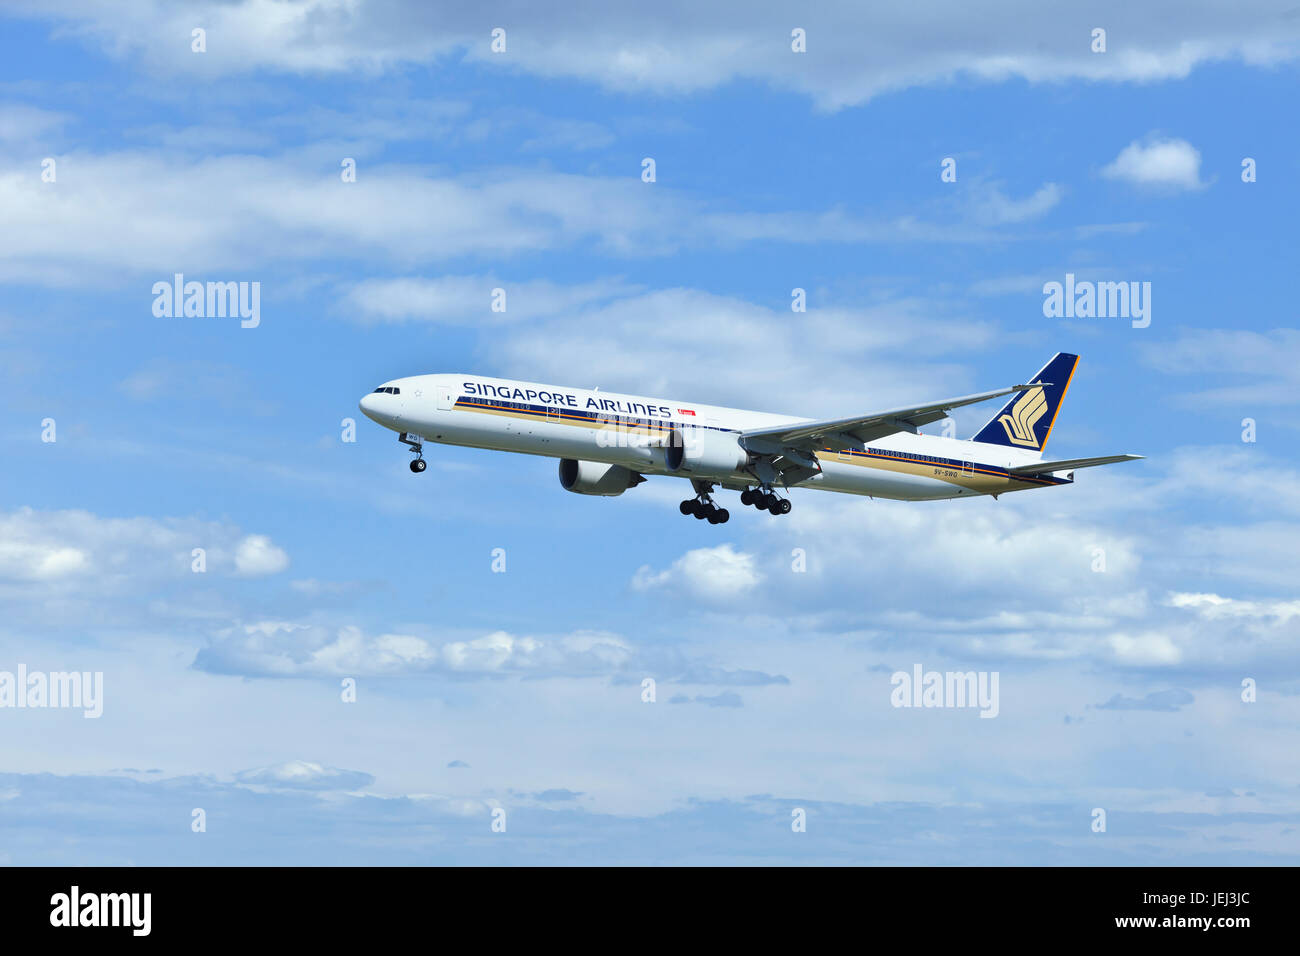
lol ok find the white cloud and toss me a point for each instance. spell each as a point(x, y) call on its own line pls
point(994, 207)
point(39, 560)
point(305, 775)
point(776, 360)
point(1158, 162)
point(27, 124)
point(79, 551)
point(467, 300)
point(711, 573)
point(1265, 364)
point(1142, 650)
point(256, 555)
point(1213, 607)
point(144, 215)
point(147, 214)
point(284, 648)
point(855, 52)
point(1241, 478)
point(291, 649)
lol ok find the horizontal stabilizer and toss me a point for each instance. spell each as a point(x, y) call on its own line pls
point(1069, 464)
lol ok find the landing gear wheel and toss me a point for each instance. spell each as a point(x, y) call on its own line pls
point(701, 510)
point(723, 516)
point(747, 496)
point(715, 516)
point(687, 506)
point(785, 506)
point(767, 502)
point(418, 465)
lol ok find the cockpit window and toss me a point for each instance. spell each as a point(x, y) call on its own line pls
point(389, 390)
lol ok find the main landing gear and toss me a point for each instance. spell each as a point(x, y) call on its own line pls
point(418, 464)
point(764, 500)
point(702, 506)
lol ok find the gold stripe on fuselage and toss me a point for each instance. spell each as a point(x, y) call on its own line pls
point(979, 479)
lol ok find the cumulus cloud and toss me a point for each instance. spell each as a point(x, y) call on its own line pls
point(719, 573)
point(68, 549)
point(1172, 163)
point(969, 546)
point(1019, 579)
point(35, 560)
point(257, 555)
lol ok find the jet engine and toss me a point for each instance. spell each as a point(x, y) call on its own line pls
point(596, 478)
point(704, 451)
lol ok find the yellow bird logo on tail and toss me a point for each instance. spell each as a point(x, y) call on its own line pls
point(1025, 414)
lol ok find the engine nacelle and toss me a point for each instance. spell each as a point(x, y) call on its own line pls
point(704, 451)
point(596, 478)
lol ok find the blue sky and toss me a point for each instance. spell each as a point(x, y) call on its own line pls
point(327, 559)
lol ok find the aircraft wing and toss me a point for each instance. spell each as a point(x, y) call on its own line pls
point(841, 433)
point(1068, 464)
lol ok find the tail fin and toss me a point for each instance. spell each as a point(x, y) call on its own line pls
point(1026, 421)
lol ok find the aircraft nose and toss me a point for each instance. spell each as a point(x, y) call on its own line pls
point(382, 408)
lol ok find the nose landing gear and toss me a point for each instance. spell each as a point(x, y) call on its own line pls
point(418, 464)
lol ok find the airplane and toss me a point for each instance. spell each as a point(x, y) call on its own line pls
point(607, 443)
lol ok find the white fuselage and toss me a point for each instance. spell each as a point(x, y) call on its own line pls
point(631, 431)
